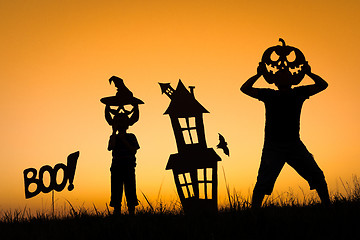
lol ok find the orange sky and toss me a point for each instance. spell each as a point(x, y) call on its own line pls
point(57, 56)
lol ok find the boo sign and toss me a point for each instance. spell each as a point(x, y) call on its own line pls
point(69, 173)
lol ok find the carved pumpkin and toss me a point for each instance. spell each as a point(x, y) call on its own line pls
point(283, 62)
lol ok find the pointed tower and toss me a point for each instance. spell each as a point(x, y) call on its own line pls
point(195, 165)
point(167, 89)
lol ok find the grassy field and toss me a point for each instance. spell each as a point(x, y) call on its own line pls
point(282, 217)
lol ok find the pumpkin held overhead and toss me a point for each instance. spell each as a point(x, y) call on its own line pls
point(283, 61)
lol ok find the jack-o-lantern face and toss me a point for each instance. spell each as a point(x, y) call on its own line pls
point(127, 109)
point(283, 62)
point(122, 116)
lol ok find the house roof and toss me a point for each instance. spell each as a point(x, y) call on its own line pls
point(189, 160)
point(183, 103)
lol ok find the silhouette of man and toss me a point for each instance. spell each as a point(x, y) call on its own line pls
point(124, 147)
point(282, 142)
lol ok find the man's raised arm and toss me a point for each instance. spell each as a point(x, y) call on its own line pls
point(320, 84)
point(248, 88)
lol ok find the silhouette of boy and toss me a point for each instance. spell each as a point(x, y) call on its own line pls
point(282, 142)
point(124, 147)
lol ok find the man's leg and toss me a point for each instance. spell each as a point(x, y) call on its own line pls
point(270, 168)
point(323, 193)
point(257, 198)
point(304, 164)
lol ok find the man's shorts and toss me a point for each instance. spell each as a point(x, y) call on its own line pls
point(275, 155)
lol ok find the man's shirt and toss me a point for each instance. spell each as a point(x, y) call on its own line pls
point(283, 110)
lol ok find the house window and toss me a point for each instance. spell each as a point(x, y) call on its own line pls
point(205, 183)
point(189, 131)
point(186, 185)
point(169, 91)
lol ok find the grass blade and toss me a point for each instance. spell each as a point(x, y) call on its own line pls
point(227, 189)
point(152, 209)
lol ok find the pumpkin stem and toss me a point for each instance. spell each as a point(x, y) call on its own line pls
point(282, 41)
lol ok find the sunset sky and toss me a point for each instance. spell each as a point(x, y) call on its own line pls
point(57, 57)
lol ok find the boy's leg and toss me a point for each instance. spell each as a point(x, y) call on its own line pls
point(116, 189)
point(117, 210)
point(130, 190)
point(131, 210)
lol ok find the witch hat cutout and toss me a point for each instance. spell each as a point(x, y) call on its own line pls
point(123, 96)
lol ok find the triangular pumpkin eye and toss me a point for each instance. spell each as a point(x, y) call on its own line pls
point(291, 57)
point(274, 57)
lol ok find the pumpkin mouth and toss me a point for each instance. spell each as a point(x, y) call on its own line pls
point(295, 70)
point(273, 69)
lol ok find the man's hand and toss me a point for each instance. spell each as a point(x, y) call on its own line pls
point(247, 87)
point(307, 68)
point(261, 69)
point(320, 84)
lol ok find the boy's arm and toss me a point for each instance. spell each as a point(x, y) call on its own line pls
point(108, 115)
point(135, 116)
point(111, 144)
point(248, 88)
point(130, 145)
point(320, 84)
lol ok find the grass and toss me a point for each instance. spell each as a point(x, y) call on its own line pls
point(284, 216)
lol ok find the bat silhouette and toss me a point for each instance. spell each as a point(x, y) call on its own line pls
point(223, 145)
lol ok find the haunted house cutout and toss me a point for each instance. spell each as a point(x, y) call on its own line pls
point(195, 165)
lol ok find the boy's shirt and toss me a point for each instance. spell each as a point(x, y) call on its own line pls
point(121, 154)
point(283, 110)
